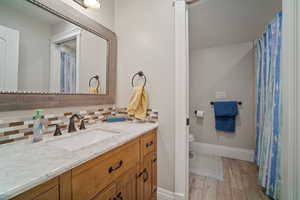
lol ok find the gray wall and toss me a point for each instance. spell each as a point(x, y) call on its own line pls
point(227, 69)
point(34, 47)
point(93, 56)
point(93, 61)
point(145, 32)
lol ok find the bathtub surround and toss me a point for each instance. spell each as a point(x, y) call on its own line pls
point(223, 151)
point(21, 128)
point(229, 69)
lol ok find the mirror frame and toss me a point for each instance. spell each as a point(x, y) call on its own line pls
point(31, 100)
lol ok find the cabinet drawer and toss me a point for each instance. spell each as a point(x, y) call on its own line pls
point(108, 194)
point(148, 142)
point(95, 175)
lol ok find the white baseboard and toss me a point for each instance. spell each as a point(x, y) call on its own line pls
point(224, 151)
point(163, 194)
point(178, 196)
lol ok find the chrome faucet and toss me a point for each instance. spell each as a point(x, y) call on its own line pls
point(72, 127)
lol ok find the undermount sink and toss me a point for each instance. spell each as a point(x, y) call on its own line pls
point(84, 139)
point(122, 127)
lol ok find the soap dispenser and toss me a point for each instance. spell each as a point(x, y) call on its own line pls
point(38, 127)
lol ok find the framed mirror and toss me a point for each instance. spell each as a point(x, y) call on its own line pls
point(51, 55)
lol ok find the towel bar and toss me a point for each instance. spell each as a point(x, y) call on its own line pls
point(239, 103)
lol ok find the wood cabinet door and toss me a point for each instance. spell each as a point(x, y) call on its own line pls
point(45, 191)
point(93, 176)
point(52, 194)
point(108, 194)
point(154, 176)
point(147, 177)
point(148, 143)
point(127, 185)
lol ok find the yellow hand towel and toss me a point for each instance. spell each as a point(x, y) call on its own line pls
point(93, 91)
point(138, 103)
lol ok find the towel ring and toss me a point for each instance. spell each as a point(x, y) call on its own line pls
point(98, 81)
point(140, 74)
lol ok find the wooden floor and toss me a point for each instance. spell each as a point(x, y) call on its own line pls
point(240, 183)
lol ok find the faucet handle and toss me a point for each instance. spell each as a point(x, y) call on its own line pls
point(57, 129)
point(82, 124)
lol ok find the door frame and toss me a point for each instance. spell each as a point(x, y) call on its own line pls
point(54, 55)
point(291, 96)
point(181, 167)
point(11, 59)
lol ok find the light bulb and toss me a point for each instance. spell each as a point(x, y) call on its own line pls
point(92, 3)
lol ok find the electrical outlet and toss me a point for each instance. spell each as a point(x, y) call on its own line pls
point(220, 95)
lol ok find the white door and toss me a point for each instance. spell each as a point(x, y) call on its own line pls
point(9, 58)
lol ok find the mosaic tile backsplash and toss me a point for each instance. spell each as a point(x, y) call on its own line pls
point(22, 128)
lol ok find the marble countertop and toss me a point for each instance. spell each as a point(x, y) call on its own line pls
point(24, 165)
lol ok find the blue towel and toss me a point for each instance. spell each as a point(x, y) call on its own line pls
point(115, 119)
point(225, 114)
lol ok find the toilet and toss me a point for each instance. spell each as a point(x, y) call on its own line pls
point(191, 137)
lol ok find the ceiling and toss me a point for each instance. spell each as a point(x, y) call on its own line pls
point(224, 22)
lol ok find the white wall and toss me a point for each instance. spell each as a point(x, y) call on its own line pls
point(230, 69)
point(145, 32)
point(34, 47)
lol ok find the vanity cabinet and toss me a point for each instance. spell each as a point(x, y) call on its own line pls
point(108, 194)
point(95, 175)
point(45, 191)
point(148, 176)
point(127, 172)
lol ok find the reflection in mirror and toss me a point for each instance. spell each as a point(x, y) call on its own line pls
point(40, 52)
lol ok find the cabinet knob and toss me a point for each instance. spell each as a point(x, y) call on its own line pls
point(146, 176)
point(118, 197)
point(142, 173)
point(149, 144)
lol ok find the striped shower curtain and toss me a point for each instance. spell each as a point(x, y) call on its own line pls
point(268, 107)
point(67, 72)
